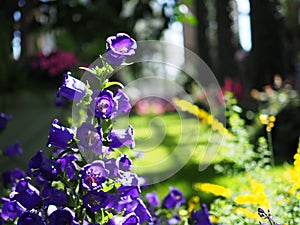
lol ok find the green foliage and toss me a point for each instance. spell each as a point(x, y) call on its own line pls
point(238, 153)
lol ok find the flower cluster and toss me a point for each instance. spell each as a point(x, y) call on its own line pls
point(204, 116)
point(172, 211)
point(88, 179)
point(55, 63)
point(268, 121)
point(66, 188)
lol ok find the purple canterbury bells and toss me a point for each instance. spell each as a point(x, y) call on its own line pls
point(121, 138)
point(137, 206)
point(53, 196)
point(67, 164)
point(105, 106)
point(122, 104)
point(93, 175)
point(43, 168)
point(89, 137)
point(173, 199)
point(129, 219)
point(95, 200)
point(102, 104)
point(62, 217)
point(11, 209)
point(201, 216)
point(119, 47)
point(59, 136)
point(12, 176)
point(72, 88)
point(153, 199)
point(29, 218)
point(13, 150)
point(26, 194)
point(3, 120)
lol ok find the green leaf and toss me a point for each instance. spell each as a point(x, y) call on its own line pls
point(92, 71)
point(106, 127)
point(108, 84)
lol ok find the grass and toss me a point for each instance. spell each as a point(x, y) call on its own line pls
point(189, 173)
point(171, 147)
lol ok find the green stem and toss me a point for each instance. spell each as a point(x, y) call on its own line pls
point(270, 145)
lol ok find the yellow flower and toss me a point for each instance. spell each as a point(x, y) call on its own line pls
point(244, 199)
point(183, 212)
point(263, 119)
point(272, 118)
point(204, 116)
point(267, 120)
point(193, 204)
point(247, 213)
point(293, 174)
point(214, 219)
point(257, 197)
point(214, 189)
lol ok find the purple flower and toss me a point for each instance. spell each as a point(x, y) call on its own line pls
point(102, 104)
point(93, 175)
point(29, 218)
point(122, 104)
point(121, 138)
point(111, 166)
point(129, 219)
point(87, 223)
point(13, 176)
point(45, 168)
point(173, 199)
point(59, 136)
point(89, 137)
point(53, 196)
point(26, 194)
point(124, 163)
point(15, 149)
point(67, 164)
point(119, 47)
point(105, 106)
point(129, 179)
point(201, 216)
point(60, 101)
point(138, 207)
point(3, 120)
point(95, 200)
point(62, 217)
point(266, 216)
point(103, 150)
point(129, 191)
point(11, 209)
point(72, 88)
point(174, 220)
point(153, 199)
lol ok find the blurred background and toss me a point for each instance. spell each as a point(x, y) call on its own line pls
point(252, 47)
point(245, 40)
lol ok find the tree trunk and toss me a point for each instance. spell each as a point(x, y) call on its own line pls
point(203, 44)
point(6, 36)
point(267, 56)
point(26, 39)
point(226, 46)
